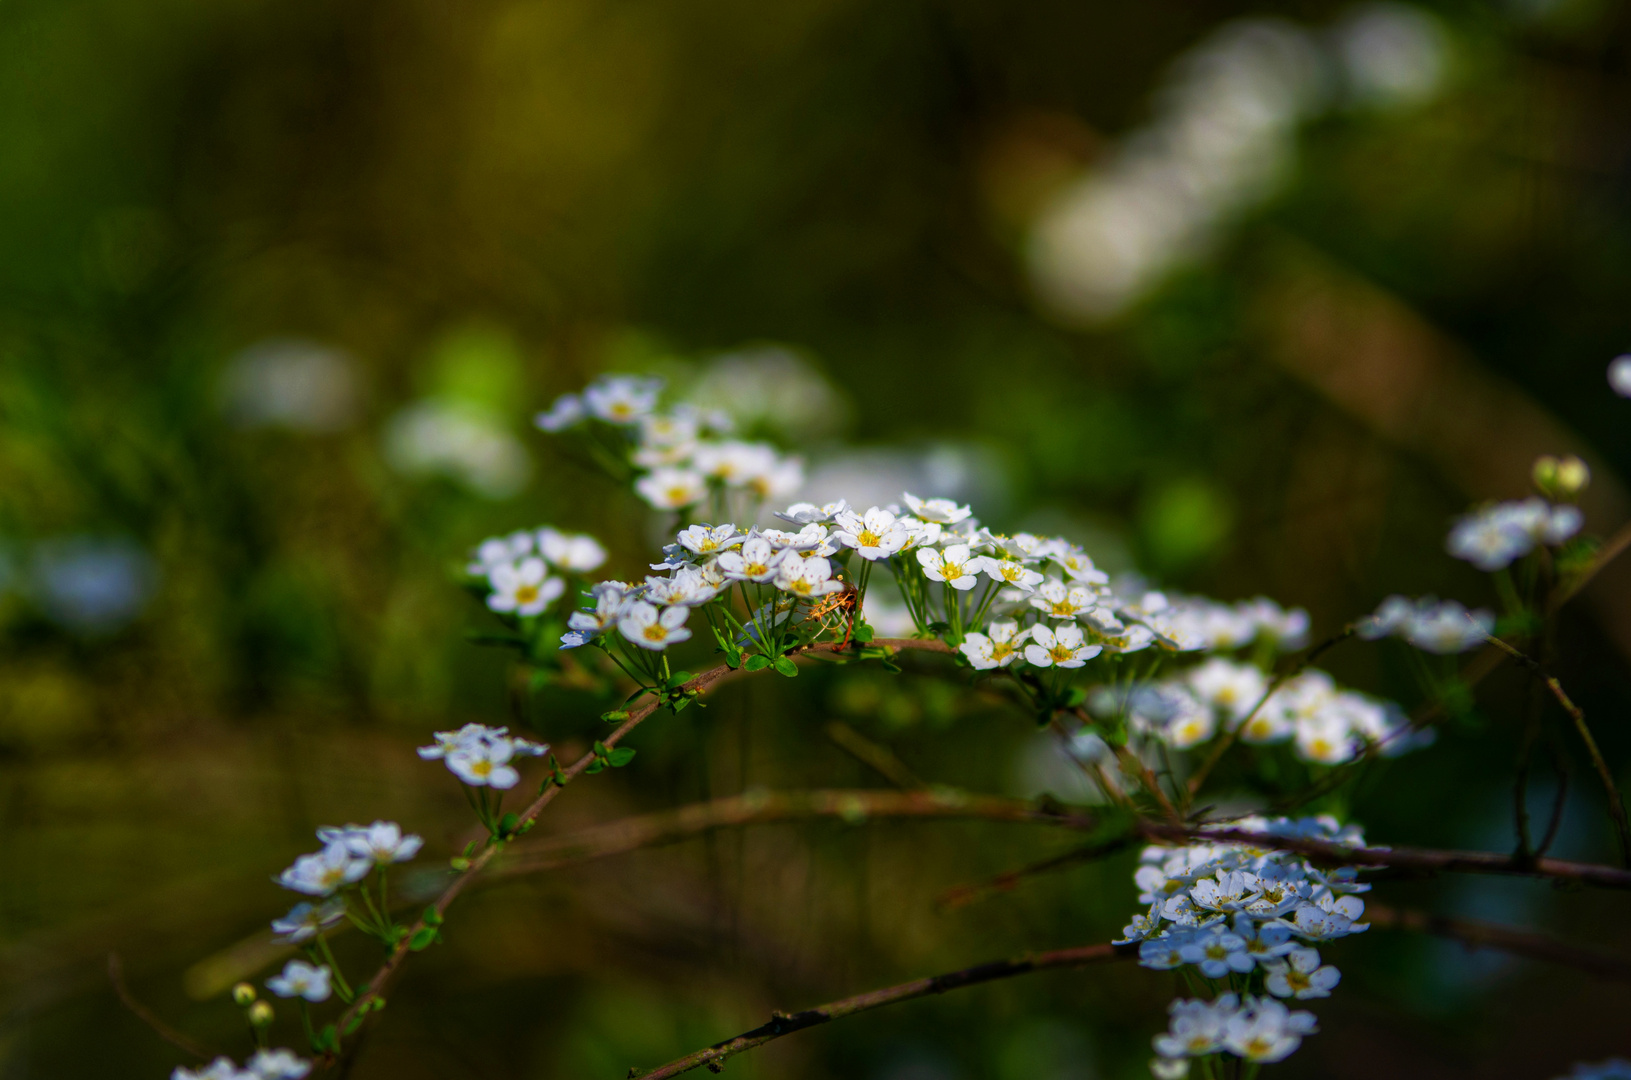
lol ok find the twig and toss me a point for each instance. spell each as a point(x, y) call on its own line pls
point(1481, 935)
point(1233, 733)
point(1558, 800)
point(880, 759)
point(787, 1023)
point(375, 989)
point(765, 807)
point(116, 975)
point(1616, 805)
point(1610, 551)
point(963, 895)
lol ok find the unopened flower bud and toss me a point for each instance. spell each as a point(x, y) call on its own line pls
point(243, 994)
point(1560, 478)
point(260, 1014)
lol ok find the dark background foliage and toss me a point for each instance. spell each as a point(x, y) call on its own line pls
point(490, 202)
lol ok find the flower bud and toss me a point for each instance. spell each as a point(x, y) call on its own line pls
point(243, 994)
point(260, 1015)
point(1560, 478)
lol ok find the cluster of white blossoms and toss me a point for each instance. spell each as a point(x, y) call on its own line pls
point(682, 454)
point(1325, 724)
point(1496, 536)
point(480, 756)
point(349, 853)
point(1430, 624)
point(1251, 916)
point(263, 1065)
point(517, 568)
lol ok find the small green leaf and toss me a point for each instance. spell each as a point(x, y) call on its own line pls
point(422, 938)
point(432, 917)
point(1075, 697)
point(614, 716)
point(356, 1021)
point(459, 863)
point(863, 632)
point(756, 662)
point(620, 757)
point(600, 748)
point(507, 824)
point(679, 679)
point(786, 666)
point(595, 766)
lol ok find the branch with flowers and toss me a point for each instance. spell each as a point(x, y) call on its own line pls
point(1133, 682)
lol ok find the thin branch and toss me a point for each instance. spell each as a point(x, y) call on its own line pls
point(765, 807)
point(1616, 805)
point(963, 895)
point(1610, 551)
point(782, 1024)
point(1483, 935)
point(116, 975)
point(375, 989)
point(875, 756)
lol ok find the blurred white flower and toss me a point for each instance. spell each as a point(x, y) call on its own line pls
point(524, 589)
point(1391, 55)
point(290, 383)
point(672, 489)
point(302, 980)
point(1619, 375)
point(458, 441)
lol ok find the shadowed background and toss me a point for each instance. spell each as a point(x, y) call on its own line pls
point(1252, 297)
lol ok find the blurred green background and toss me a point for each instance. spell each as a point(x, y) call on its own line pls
point(1253, 297)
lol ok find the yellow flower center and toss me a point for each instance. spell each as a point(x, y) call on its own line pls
point(1298, 981)
point(526, 594)
point(621, 409)
point(677, 494)
point(950, 571)
point(655, 632)
point(481, 768)
point(1060, 653)
point(868, 538)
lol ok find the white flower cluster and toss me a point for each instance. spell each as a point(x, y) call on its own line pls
point(679, 452)
point(480, 755)
point(302, 980)
point(1242, 913)
point(517, 567)
point(348, 854)
point(1496, 536)
point(264, 1065)
point(1254, 1028)
point(1326, 725)
point(1437, 626)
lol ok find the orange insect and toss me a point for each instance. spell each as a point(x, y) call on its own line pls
point(846, 601)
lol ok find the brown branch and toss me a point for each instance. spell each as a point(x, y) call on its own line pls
point(116, 975)
point(1424, 860)
point(1616, 805)
point(782, 1024)
point(963, 895)
point(1483, 935)
point(763, 807)
point(880, 759)
point(375, 988)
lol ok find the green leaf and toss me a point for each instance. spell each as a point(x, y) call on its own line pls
point(620, 756)
point(432, 917)
point(679, 679)
point(327, 1039)
point(422, 938)
point(600, 748)
point(459, 863)
point(863, 632)
point(356, 1021)
point(1075, 697)
point(756, 662)
point(507, 823)
point(786, 666)
point(595, 766)
point(614, 716)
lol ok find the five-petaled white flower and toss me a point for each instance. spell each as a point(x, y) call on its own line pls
point(875, 535)
point(1217, 951)
point(577, 552)
point(999, 647)
point(525, 589)
point(322, 873)
point(566, 411)
point(708, 540)
point(811, 514)
point(807, 577)
point(756, 561)
point(649, 629)
point(277, 1065)
point(222, 1068)
point(957, 566)
point(1264, 1031)
point(305, 920)
point(383, 841)
point(940, 511)
point(300, 979)
point(1059, 648)
point(1013, 572)
point(622, 399)
point(1300, 975)
point(1060, 601)
point(1196, 1027)
point(485, 763)
point(672, 489)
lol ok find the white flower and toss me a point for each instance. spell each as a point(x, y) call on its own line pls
point(1227, 890)
point(1619, 375)
point(999, 648)
point(1012, 572)
point(1142, 926)
point(774, 477)
point(448, 741)
point(811, 514)
point(1063, 602)
point(757, 561)
point(941, 511)
point(500, 550)
point(622, 399)
point(566, 411)
point(220, 1069)
point(1196, 1027)
point(807, 577)
point(1216, 950)
point(707, 540)
point(305, 920)
point(1329, 917)
point(1264, 941)
point(577, 552)
point(277, 1065)
point(1062, 648)
point(300, 979)
point(666, 440)
point(384, 842)
point(1164, 952)
point(1300, 976)
point(485, 763)
point(956, 566)
point(585, 626)
point(1265, 1031)
point(1077, 566)
point(1448, 628)
point(321, 874)
point(1230, 687)
point(1163, 1068)
point(672, 489)
point(1325, 738)
point(734, 462)
point(525, 589)
point(877, 534)
point(688, 586)
point(643, 625)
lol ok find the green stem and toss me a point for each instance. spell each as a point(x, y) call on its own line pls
point(340, 984)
